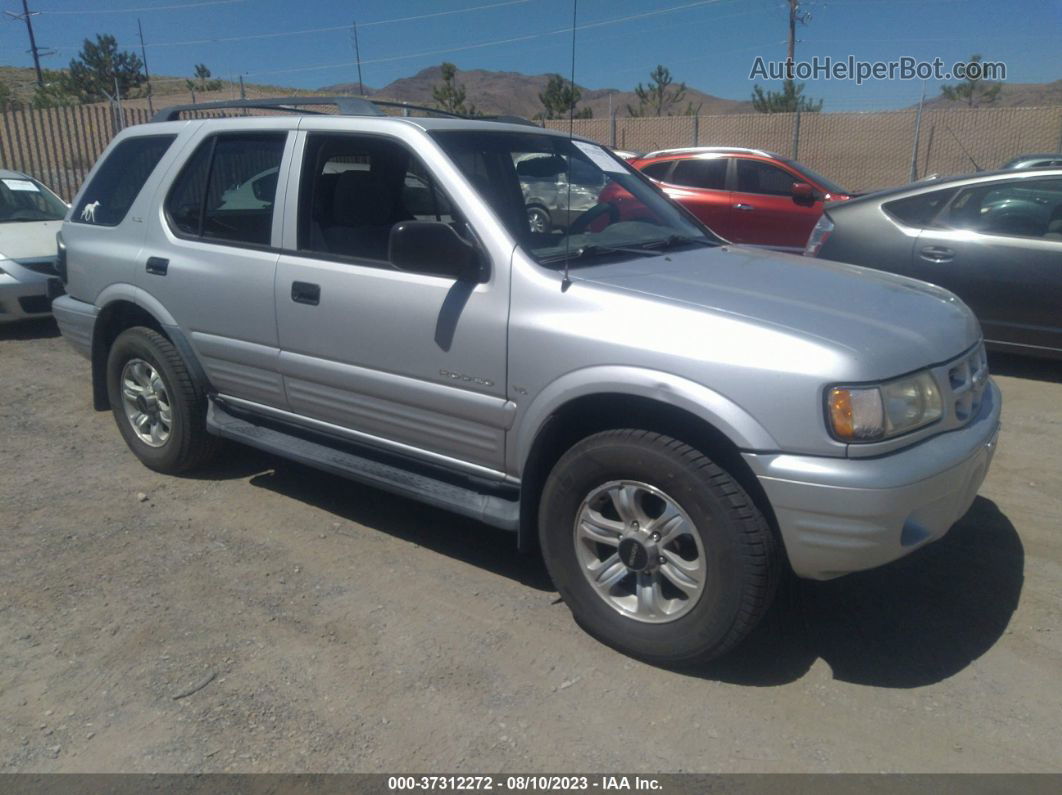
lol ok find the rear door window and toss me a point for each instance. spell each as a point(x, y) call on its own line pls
point(707, 174)
point(113, 189)
point(1023, 208)
point(227, 189)
point(657, 171)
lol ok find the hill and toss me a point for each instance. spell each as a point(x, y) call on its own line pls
point(517, 94)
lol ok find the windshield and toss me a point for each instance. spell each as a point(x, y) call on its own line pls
point(24, 199)
point(569, 200)
point(812, 176)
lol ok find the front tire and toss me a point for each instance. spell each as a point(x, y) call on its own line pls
point(657, 551)
point(159, 408)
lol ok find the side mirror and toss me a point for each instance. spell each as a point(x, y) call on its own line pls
point(803, 193)
point(434, 248)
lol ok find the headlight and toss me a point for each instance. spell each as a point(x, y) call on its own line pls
point(873, 413)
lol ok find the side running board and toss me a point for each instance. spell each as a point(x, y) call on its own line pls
point(491, 509)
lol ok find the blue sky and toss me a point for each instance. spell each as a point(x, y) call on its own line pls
point(710, 44)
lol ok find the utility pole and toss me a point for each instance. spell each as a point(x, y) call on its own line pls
point(147, 72)
point(796, 17)
point(357, 57)
point(917, 134)
point(26, 16)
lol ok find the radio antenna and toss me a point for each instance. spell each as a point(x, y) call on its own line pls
point(566, 283)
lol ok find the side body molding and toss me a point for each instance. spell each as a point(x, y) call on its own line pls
point(711, 406)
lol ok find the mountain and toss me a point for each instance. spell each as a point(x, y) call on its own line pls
point(516, 94)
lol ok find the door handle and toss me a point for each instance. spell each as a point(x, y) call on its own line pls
point(306, 293)
point(157, 265)
point(745, 207)
point(937, 254)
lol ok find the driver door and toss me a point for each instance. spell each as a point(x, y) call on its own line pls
point(407, 361)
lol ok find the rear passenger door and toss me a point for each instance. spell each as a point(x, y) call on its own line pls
point(407, 361)
point(998, 246)
point(210, 258)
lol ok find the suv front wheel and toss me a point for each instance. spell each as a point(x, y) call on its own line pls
point(160, 410)
point(657, 551)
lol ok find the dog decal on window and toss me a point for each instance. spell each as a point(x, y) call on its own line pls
point(89, 213)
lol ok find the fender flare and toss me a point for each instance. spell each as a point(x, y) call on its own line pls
point(711, 406)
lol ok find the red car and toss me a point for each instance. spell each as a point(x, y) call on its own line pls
point(744, 195)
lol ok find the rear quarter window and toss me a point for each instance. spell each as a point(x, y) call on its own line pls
point(119, 179)
point(920, 210)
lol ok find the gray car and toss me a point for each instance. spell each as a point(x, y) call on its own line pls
point(1042, 160)
point(30, 217)
point(995, 240)
point(670, 419)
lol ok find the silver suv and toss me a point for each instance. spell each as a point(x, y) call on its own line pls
point(670, 418)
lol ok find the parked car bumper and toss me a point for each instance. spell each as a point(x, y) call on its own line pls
point(76, 320)
point(24, 294)
point(842, 515)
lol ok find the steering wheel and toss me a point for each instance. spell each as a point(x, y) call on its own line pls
point(579, 225)
point(27, 215)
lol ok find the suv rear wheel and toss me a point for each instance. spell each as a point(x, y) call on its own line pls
point(657, 551)
point(160, 410)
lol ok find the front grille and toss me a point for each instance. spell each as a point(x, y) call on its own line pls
point(967, 380)
point(45, 265)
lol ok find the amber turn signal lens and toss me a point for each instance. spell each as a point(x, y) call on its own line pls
point(841, 412)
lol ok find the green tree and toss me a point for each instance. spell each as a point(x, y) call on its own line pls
point(202, 80)
point(7, 98)
point(973, 91)
point(661, 96)
point(560, 98)
point(449, 95)
point(100, 65)
point(789, 100)
point(56, 91)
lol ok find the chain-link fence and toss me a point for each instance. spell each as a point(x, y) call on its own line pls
point(861, 151)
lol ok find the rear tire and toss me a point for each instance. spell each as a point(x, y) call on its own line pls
point(657, 551)
point(159, 408)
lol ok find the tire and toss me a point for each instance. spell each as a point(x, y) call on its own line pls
point(174, 404)
point(713, 534)
point(538, 218)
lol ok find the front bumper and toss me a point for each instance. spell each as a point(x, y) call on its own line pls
point(25, 294)
point(838, 515)
point(77, 321)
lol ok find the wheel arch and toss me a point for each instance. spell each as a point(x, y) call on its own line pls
point(653, 401)
point(123, 307)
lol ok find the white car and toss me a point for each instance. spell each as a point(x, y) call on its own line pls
point(30, 216)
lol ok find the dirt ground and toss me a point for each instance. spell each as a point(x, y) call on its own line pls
point(330, 627)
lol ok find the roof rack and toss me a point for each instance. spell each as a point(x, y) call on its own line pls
point(710, 149)
point(345, 105)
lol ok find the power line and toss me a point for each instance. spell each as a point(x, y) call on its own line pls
point(494, 42)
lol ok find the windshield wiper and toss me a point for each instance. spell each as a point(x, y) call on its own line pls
point(596, 250)
point(671, 241)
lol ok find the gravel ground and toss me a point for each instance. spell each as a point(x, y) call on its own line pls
point(328, 627)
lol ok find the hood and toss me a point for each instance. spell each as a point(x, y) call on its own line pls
point(886, 324)
point(28, 239)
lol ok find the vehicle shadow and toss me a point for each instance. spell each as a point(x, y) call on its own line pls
point(1017, 366)
point(440, 531)
point(914, 622)
point(911, 623)
point(44, 328)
